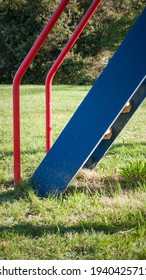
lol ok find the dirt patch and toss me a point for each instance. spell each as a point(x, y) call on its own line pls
point(91, 181)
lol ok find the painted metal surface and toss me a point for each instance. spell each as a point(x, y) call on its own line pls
point(17, 80)
point(117, 127)
point(91, 10)
point(99, 110)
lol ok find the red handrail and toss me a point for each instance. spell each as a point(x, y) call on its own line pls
point(57, 64)
point(17, 80)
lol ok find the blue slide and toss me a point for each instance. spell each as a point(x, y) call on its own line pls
point(83, 142)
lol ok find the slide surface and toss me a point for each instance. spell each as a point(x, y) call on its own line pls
point(117, 127)
point(101, 107)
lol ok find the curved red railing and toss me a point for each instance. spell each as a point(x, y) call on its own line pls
point(57, 64)
point(17, 80)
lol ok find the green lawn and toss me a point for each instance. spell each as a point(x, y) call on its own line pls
point(102, 215)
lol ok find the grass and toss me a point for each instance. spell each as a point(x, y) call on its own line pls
point(102, 215)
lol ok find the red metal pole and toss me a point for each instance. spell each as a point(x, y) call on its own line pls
point(57, 64)
point(17, 80)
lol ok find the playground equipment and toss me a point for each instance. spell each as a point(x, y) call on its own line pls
point(56, 66)
point(81, 141)
point(17, 80)
point(24, 66)
point(104, 112)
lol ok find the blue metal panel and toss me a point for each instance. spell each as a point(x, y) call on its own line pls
point(98, 111)
point(117, 127)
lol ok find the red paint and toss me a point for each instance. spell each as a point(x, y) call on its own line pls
point(57, 64)
point(17, 80)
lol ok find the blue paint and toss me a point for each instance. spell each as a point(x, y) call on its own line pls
point(99, 110)
point(117, 127)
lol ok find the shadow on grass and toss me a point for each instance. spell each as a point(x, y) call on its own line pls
point(4, 154)
point(107, 186)
point(36, 231)
point(12, 193)
point(36, 151)
point(129, 146)
point(104, 185)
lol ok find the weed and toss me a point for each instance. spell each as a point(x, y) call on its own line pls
point(134, 171)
